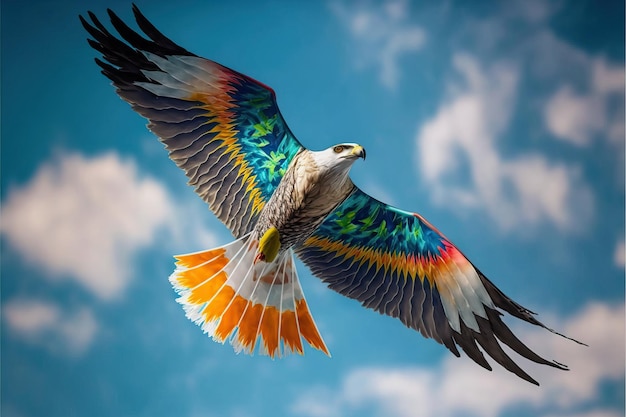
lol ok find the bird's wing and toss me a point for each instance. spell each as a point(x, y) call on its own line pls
point(221, 127)
point(398, 264)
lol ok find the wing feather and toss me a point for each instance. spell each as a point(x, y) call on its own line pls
point(398, 264)
point(221, 127)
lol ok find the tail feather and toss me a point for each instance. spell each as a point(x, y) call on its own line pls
point(233, 297)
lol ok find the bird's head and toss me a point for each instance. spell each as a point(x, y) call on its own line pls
point(339, 157)
point(350, 151)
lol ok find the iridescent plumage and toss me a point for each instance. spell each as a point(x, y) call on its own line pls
point(225, 131)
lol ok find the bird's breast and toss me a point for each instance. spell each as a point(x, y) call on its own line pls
point(302, 200)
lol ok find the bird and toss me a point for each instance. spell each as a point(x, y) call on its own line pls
point(282, 200)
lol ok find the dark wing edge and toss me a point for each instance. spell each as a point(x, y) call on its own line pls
point(357, 254)
point(213, 135)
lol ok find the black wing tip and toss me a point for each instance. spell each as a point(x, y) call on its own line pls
point(155, 42)
point(560, 365)
point(141, 19)
point(137, 13)
point(123, 58)
point(112, 16)
point(492, 333)
point(89, 26)
point(564, 336)
point(505, 303)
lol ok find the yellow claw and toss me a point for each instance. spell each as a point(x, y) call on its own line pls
point(269, 245)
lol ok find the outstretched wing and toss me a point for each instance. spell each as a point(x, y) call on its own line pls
point(398, 264)
point(221, 127)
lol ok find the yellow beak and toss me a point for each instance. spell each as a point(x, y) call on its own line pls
point(358, 151)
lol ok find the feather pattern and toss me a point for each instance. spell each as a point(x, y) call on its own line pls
point(221, 127)
point(398, 264)
point(255, 306)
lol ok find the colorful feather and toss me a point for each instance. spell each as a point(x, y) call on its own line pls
point(396, 263)
point(251, 304)
point(221, 127)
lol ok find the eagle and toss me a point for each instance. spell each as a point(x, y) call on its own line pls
point(281, 200)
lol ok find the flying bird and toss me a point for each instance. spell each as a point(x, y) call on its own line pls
point(281, 200)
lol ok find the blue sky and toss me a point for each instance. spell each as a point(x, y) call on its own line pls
point(501, 123)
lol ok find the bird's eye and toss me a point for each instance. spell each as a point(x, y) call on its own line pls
point(338, 149)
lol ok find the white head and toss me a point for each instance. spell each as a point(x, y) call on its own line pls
point(339, 158)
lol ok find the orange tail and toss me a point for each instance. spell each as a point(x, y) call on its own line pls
point(232, 295)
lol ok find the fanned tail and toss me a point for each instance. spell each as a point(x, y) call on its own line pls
point(234, 297)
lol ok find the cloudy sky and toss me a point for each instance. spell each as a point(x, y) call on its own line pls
point(500, 122)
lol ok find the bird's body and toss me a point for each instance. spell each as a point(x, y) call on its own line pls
point(281, 200)
point(312, 187)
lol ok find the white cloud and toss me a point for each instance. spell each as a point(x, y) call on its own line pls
point(459, 387)
point(383, 35)
point(607, 78)
point(546, 191)
point(619, 256)
point(580, 117)
point(574, 117)
point(86, 218)
point(516, 191)
point(43, 323)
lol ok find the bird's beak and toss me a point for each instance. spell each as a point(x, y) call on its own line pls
point(358, 151)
